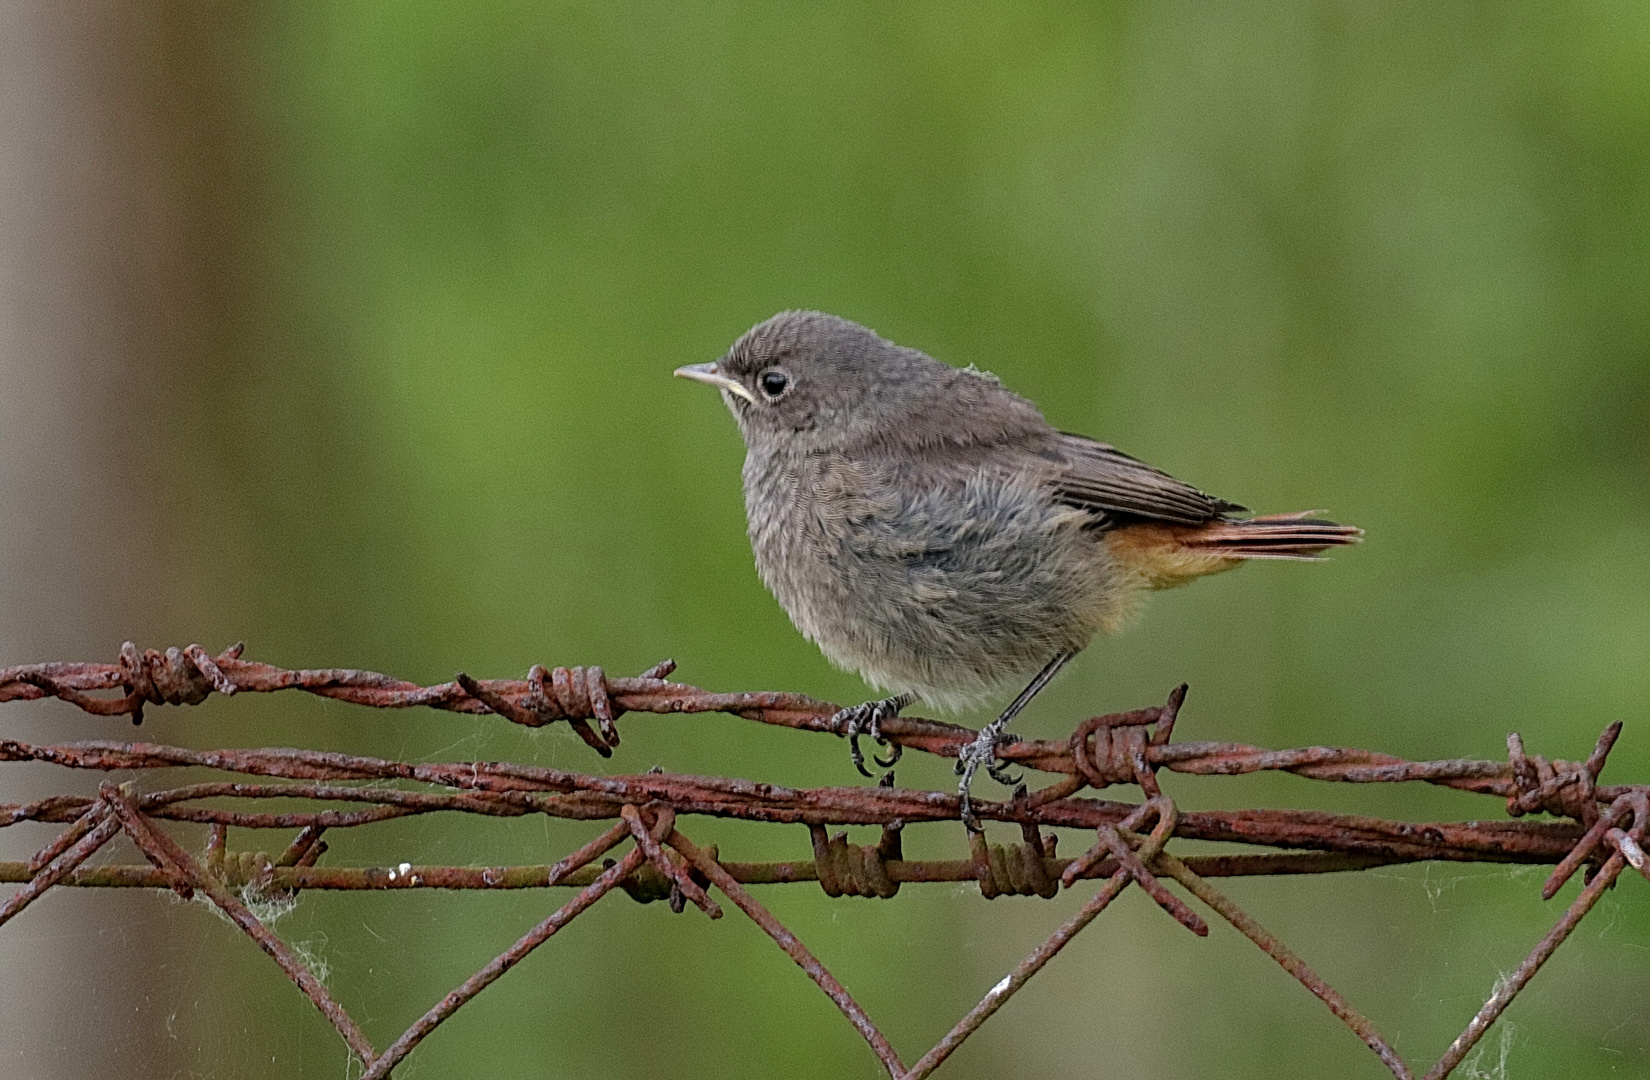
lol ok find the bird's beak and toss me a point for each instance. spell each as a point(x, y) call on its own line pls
point(709, 373)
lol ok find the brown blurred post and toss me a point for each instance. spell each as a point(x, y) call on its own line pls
point(114, 281)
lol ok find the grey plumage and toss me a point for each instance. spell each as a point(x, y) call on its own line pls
point(927, 528)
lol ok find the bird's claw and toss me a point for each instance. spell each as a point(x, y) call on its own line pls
point(866, 719)
point(998, 771)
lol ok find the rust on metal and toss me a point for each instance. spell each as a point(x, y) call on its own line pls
point(1598, 827)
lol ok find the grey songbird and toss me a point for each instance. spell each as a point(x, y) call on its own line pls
point(927, 528)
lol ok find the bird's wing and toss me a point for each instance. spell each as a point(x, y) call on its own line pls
point(1108, 482)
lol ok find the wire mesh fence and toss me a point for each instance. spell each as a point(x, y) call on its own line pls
point(1599, 831)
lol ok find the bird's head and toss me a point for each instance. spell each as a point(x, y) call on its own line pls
point(815, 378)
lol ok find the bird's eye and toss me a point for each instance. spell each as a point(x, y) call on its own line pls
point(774, 383)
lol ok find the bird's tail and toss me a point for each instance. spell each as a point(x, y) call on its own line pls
point(1275, 536)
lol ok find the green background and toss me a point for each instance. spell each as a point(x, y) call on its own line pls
point(1386, 259)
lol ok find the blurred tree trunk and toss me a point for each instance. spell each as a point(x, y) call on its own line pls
point(115, 281)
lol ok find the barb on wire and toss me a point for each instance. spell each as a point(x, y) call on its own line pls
point(1597, 827)
point(178, 677)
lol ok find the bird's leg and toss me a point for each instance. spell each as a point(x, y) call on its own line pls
point(983, 750)
point(867, 719)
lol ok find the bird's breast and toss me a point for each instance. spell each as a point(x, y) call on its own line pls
point(945, 582)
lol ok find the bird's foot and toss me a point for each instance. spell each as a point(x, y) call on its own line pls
point(982, 753)
point(983, 750)
point(867, 719)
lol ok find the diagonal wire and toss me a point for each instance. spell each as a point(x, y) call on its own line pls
point(797, 951)
point(1040, 956)
point(512, 956)
point(99, 827)
point(1508, 989)
point(169, 857)
point(1277, 950)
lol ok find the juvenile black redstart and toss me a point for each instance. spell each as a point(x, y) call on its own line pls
point(927, 528)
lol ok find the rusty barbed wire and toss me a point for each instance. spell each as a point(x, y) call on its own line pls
point(1604, 831)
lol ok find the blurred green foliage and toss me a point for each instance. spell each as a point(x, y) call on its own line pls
point(1388, 259)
